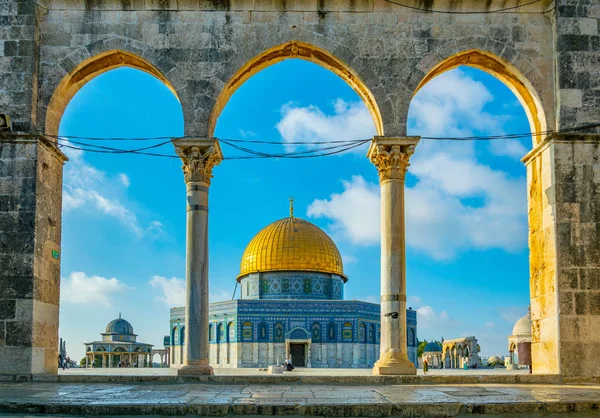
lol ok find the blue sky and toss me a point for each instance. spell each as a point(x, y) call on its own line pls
point(123, 244)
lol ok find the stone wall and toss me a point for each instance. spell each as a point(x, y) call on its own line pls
point(19, 59)
point(578, 62)
point(30, 218)
point(199, 51)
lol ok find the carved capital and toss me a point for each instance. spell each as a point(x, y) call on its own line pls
point(391, 156)
point(199, 157)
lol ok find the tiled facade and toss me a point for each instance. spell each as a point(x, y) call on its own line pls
point(254, 333)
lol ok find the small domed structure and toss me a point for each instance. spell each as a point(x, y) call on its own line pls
point(432, 347)
point(521, 336)
point(119, 326)
point(495, 359)
point(523, 326)
point(118, 348)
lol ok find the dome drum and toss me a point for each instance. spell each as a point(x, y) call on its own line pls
point(293, 285)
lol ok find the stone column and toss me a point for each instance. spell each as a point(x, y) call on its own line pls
point(199, 157)
point(390, 156)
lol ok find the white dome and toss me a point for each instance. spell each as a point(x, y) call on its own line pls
point(523, 326)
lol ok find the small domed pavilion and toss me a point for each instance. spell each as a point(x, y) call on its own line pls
point(433, 354)
point(118, 348)
point(521, 336)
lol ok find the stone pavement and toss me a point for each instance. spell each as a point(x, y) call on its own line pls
point(210, 399)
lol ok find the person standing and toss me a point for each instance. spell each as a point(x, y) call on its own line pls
point(425, 366)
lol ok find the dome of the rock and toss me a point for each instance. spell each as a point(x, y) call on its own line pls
point(291, 244)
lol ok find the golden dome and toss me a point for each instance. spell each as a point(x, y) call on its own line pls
point(291, 244)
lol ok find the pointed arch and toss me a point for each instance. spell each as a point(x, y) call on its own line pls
point(503, 71)
point(296, 49)
point(87, 70)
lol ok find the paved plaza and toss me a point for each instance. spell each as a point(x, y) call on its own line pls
point(297, 372)
point(210, 399)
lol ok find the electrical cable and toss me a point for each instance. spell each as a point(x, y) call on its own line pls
point(449, 12)
point(336, 146)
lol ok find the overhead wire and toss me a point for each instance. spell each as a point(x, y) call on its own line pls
point(324, 148)
point(454, 12)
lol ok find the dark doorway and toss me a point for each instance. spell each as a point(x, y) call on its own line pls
point(298, 354)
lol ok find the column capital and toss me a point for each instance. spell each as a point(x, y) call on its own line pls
point(391, 154)
point(199, 157)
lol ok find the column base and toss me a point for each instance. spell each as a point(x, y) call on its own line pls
point(195, 370)
point(394, 364)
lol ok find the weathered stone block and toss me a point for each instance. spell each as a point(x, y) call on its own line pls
point(7, 309)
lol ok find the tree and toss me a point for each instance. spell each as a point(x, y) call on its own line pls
point(421, 348)
point(82, 362)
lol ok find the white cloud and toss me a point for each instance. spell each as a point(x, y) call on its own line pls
point(247, 134)
point(124, 179)
point(172, 291)
point(349, 121)
point(452, 104)
point(414, 300)
point(86, 187)
point(79, 288)
point(457, 203)
point(354, 212)
point(427, 317)
point(349, 259)
point(511, 314)
point(373, 299)
point(438, 221)
point(508, 148)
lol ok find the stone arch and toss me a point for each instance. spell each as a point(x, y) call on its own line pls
point(296, 49)
point(504, 71)
point(231, 334)
point(87, 70)
point(182, 336)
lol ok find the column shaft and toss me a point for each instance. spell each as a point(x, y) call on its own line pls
point(196, 310)
point(391, 156)
point(199, 157)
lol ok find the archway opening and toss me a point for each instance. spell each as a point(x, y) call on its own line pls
point(466, 213)
point(115, 211)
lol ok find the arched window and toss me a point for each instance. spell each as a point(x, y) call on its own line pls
point(220, 333)
point(173, 332)
point(315, 332)
point(278, 333)
point(331, 332)
point(362, 333)
point(182, 336)
point(347, 332)
point(210, 332)
point(372, 334)
point(263, 332)
point(231, 332)
point(410, 337)
point(247, 332)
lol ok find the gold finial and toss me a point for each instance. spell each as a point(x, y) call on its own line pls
point(291, 206)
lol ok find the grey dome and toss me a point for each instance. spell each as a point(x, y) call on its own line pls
point(119, 326)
